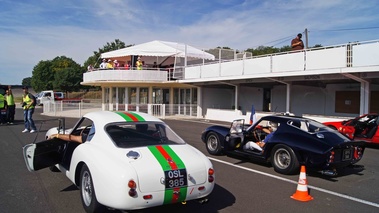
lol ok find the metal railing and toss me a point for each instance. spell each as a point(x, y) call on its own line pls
point(78, 109)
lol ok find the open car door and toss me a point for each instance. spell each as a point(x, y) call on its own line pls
point(43, 154)
point(235, 135)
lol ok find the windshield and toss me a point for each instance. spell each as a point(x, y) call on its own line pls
point(136, 134)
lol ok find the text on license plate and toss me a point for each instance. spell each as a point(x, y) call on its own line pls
point(176, 178)
point(346, 154)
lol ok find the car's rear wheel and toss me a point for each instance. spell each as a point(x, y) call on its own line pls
point(284, 160)
point(87, 192)
point(213, 144)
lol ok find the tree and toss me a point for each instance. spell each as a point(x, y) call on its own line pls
point(45, 75)
point(68, 79)
point(42, 76)
point(27, 82)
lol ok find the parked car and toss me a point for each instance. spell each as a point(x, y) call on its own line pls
point(131, 161)
point(296, 141)
point(50, 95)
point(364, 127)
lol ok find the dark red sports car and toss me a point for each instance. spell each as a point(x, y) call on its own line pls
point(363, 128)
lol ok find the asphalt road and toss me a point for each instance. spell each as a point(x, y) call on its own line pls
point(240, 186)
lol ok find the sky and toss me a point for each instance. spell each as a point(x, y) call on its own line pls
point(33, 31)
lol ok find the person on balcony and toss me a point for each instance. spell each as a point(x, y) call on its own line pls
point(127, 65)
point(116, 65)
point(297, 43)
point(103, 64)
point(109, 64)
point(139, 64)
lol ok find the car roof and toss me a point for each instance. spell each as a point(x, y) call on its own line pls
point(102, 118)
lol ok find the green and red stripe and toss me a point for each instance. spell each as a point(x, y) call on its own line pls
point(169, 160)
point(130, 116)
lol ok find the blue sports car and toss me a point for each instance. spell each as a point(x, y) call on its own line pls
point(286, 142)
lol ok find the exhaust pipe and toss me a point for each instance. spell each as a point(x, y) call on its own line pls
point(329, 172)
point(203, 200)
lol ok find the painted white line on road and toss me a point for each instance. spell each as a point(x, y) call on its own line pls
point(294, 182)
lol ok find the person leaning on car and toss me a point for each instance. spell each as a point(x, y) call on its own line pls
point(75, 138)
point(69, 137)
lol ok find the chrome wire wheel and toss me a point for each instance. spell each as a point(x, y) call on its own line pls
point(212, 143)
point(282, 158)
point(86, 184)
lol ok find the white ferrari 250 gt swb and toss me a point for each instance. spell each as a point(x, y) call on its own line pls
point(127, 161)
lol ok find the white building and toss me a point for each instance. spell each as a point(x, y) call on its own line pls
point(340, 80)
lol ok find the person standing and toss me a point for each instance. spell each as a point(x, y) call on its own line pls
point(103, 64)
point(109, 64)
point(116, 65)
point(128, 66)
point(297, 43)
point(28, 106)
point(11, 106)
point(90, 68)
point(139, 64)
point(3, 105)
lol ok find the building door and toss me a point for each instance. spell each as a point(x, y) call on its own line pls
point(266, 100)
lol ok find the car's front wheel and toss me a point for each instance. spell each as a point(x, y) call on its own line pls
point(213, 144)
point(87, 192)
point(284, 160)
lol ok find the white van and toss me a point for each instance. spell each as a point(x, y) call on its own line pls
point(48, 95)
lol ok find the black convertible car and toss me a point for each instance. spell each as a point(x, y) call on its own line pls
point(296, 141)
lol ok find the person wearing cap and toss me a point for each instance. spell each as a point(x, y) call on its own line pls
point(28, 106)
point(103, 64)
point(139, 64)
point(116, 65)
point(11, 106)
point(109, 64)
point(297, 43)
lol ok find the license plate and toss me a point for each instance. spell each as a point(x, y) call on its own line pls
point(176, 178)
point(3, 112)
point(346, 154)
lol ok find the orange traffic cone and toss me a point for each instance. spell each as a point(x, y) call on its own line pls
point(301, 193)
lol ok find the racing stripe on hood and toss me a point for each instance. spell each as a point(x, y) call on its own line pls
point(169, 160)
point(130, 116)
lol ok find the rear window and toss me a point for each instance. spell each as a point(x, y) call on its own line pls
point(59, 94)
point(137, 134)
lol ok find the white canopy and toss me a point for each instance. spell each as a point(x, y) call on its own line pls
point(160, 49)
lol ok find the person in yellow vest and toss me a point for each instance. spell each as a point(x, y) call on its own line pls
point(3, 112)
point(28, 106)
point(139, 64)
point(11, 106)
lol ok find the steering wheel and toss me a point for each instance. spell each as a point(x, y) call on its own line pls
point(257, 133)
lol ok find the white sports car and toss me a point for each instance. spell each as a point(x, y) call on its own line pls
point(131, 161)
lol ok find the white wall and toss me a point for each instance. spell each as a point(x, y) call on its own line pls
point(249, 96)
point(217, 98)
